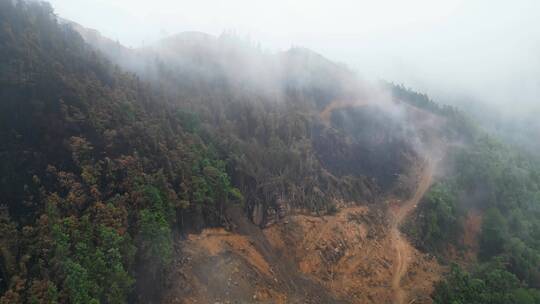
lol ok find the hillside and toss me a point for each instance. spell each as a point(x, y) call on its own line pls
point(203, 169)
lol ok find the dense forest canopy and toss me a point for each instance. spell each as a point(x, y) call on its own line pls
point(108, 154)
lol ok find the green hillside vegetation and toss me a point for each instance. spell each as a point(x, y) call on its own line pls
point(101, 171)
point(104, 166)
point(501, 183)
point(97, 172)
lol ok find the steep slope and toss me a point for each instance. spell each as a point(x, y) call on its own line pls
point(97, 171)
point(218, 172)
point(402, 247)
point(100, 169)
point(357, 255)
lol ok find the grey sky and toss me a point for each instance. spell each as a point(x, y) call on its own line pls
point(479, 49)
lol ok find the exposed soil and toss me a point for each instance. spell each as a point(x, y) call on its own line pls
point(219, 266)
point(326, 113)
point(471, 230)
point(357, 255)
point(403, 249)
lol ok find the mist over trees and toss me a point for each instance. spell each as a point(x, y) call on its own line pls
point(109, 154)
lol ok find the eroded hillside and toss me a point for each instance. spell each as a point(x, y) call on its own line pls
point(203, 169)
point(357, 255)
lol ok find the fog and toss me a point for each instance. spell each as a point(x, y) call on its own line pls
point(462, 52)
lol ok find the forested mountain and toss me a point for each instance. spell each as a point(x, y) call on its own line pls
point(96, 168)
point(110, 156)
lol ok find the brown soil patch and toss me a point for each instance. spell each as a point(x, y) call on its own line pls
point(217, 240)
point(357, 255)
point(403, 250)
point(326, 114)
point(219, 266)
point(353, 255)
point(471, 230)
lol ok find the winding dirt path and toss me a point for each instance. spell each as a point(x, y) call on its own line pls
point(326, 114)
point(401, 246)
point(404, 252)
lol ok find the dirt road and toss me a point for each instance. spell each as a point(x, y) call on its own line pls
point(403, 250)
point(326, 114)
point(357, 255)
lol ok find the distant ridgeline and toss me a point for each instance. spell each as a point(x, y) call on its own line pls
point(103, 165)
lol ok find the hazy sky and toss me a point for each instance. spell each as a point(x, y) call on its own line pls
point(487, 50)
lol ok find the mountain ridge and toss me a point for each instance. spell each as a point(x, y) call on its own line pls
point(140, 176)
